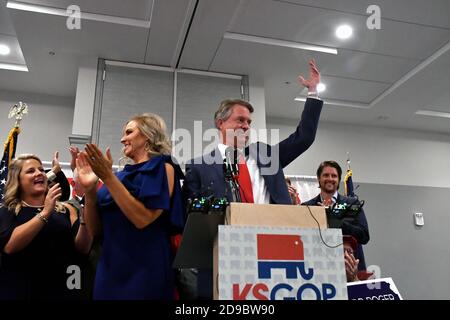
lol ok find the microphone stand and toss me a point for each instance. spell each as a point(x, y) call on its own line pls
point(231, 181)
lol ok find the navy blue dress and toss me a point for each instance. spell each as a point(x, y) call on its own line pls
point(137, 263)
point(39, 271)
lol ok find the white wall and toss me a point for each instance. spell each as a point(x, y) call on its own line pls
point(378, 155)
point(400, 172)
point(46, 127)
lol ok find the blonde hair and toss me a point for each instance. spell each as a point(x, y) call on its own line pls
point(153, 128)
point(13, 191)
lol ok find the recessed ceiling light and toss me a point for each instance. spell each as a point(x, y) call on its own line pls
point(4, 49)
point(344, 32)
point(321, 87)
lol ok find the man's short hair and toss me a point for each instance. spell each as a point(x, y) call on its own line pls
point(226, 107)
point(329, 163)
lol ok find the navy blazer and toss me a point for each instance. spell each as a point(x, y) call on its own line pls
point(360, 230)
point(204, 175)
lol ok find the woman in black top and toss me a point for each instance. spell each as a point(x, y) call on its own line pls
point(39, 236)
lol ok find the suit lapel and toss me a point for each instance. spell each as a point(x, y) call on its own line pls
point(216, 161)
point(317, 199)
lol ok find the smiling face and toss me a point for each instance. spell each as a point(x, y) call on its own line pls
point(329, 180)
point(134, 143)
point(32, 179)
point(235, 130)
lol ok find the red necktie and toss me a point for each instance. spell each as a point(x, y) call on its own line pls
point(245, 184)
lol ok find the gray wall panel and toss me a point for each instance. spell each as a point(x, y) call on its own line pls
point(198, 98)
point(416, 258)
point(131, 91)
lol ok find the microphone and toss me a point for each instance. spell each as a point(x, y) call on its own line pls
point(230, 169)
point(231, 157)
point(227, 174)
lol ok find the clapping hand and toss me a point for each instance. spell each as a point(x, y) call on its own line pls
point(53, 194)
point(86, 177)
point(74, 153)
point(56, 167)
point(314, 77)
point(293, 194)
point(351, 266)
point(100, 163)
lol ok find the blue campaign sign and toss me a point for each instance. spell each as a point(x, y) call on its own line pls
point(376, 289)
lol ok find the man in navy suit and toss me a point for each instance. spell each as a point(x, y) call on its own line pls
point(261, 165)
point(329, 175)
point(265, 163)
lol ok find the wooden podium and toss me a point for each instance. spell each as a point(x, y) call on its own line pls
point(275, 215)
point(276, 251)
point(259, 251)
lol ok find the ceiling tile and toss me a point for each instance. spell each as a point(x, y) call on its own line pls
point(430, 12)
point(265, 60)
point(291, 22)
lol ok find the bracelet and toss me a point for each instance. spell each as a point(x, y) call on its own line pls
point(40, 216)
point(81, 215)
point(51, 176)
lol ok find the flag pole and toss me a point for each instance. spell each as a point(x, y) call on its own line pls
point(348, 161)
point(17, 111)
point(348, 182)
point(9, 150)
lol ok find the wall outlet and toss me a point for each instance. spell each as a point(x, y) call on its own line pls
point(418, 219)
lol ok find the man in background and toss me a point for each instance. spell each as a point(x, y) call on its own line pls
point(329, 176)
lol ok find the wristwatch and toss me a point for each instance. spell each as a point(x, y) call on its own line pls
point(313, 94)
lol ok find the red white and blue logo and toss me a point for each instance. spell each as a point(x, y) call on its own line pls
point(281, 251)
point(285, 252)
